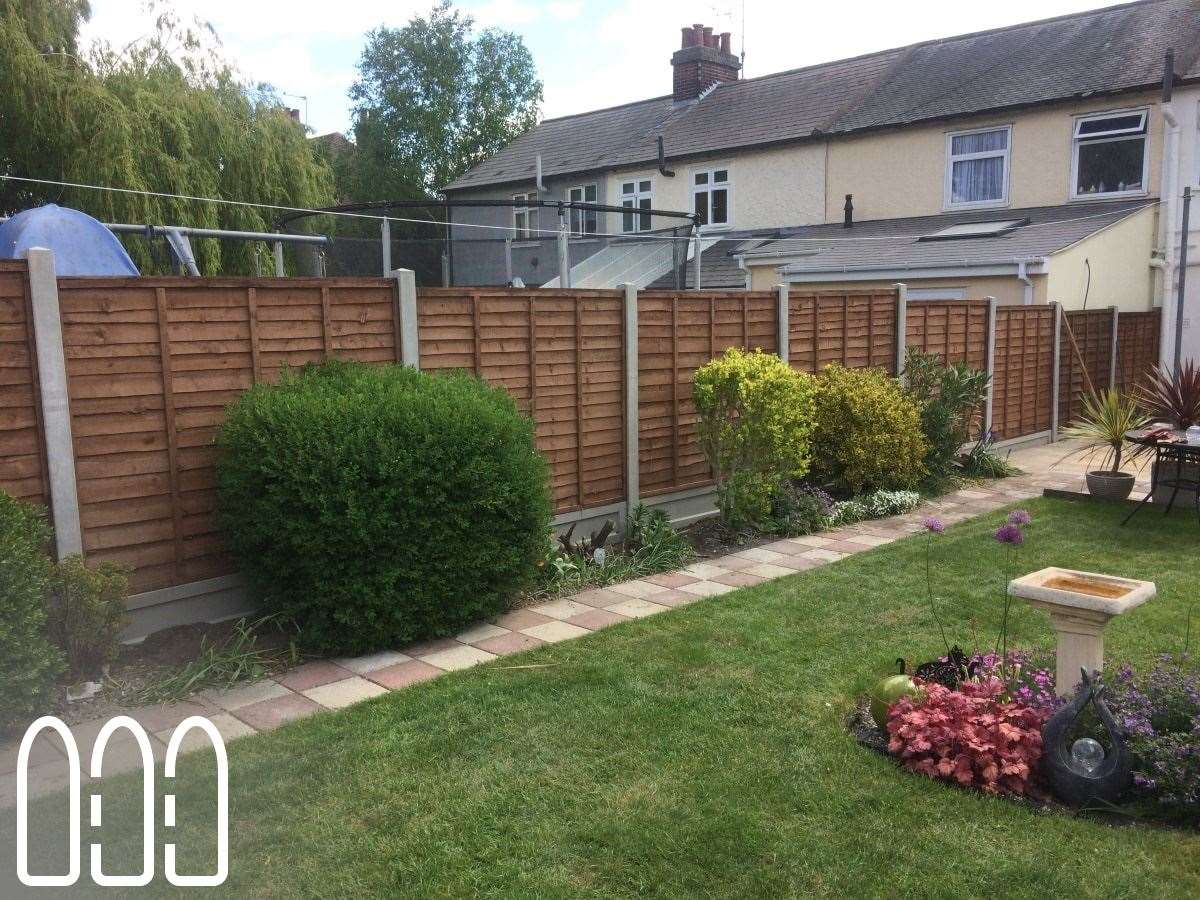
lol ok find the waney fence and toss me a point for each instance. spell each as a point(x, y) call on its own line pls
point(114, 388)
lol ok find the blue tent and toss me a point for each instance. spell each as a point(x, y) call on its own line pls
point(81, 245)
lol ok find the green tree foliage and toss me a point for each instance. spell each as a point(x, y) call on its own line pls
point(163, 114)
point(433, 99)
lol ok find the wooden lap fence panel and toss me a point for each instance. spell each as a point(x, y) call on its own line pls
point(1023, 379)
point(855, 329)
point(1137, 347)
point(954, 330)
point(22, 453)
point(152, 365)
point(559, 353)
point(1092, 330)
point(678, 332)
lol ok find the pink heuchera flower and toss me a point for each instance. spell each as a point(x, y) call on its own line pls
point(970, 736)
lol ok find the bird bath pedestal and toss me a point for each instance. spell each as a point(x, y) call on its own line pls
point(1080, 605)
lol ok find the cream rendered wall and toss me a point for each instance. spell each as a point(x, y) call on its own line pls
point(1006, 289)
point(901, 172)
point(1119, 257)
point(770, 188)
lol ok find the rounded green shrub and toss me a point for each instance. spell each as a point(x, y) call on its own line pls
point(28, 662)
point(756, 418)
point(868, 435)
point(377, 505)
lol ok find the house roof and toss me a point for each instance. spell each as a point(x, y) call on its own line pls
point(719, 269)
point(1103, 51)
point(895, 244)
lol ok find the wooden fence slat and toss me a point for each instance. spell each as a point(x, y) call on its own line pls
point(168, 391)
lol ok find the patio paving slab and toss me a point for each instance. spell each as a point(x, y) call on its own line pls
point(347, 692)
point(639, 609)
point(510, 643)
point(361, 665)
point(671, 579)
point(595, 619)
point(313, 674)
point(461, 657)
point(403, 674)
point(553, 632)
point(241, 696)
point(271, 714)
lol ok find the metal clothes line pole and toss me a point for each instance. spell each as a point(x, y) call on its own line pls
point(1183, 262)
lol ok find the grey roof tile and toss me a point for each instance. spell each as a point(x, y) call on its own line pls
point(1100, 51)
point(888, 244)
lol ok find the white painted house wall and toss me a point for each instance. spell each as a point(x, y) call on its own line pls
point(1186, 107)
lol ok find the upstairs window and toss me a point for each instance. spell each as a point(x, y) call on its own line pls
point(977, 167)
point(636, 195)
point(710, 196)
point(1109, 158)
point(583, 221)
point(525, 218)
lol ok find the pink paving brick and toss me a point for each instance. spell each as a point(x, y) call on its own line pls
point(846, 547)
point(504, 644)
point(671, 579)
point(595, 619)
point(738, 579)
point(521, 618)
point(599, 598)
point(313, 674)
point(675, 598)
point(798, 563)
point(168, 715)
point(403, 674)
point(268, 714)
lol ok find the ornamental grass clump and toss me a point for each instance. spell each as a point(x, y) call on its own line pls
point(868, 432)
point(756, 419)
point(378, 505)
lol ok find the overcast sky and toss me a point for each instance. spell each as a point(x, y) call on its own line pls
point(589, 54)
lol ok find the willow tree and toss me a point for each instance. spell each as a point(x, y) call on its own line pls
point(164, 116)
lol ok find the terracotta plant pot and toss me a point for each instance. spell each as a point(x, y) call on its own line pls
point(1110, 485)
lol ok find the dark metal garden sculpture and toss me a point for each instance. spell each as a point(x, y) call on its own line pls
point(586, 547)
point(1078, 784)
point(949, 671)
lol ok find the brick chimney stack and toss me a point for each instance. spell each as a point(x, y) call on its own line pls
point(702, 60)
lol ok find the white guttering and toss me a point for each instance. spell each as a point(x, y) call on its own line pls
point(1021, 267)
point(1169, 187)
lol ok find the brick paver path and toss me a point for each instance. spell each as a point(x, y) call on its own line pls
point(337, 683)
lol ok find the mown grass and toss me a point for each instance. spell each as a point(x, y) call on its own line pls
point(701, 752)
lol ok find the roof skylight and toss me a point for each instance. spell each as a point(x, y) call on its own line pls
point(975, 230)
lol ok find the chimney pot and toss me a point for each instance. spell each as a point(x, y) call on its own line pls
point(689, 38)
point(708, 36)
point(726, 39)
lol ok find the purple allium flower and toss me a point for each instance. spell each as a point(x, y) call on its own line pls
point(1010, 534)
point(1019, 517)
point(934, 524)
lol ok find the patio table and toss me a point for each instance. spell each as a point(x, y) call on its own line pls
point(1172, 453)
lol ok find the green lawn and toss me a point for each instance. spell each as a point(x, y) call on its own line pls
point(697, 753)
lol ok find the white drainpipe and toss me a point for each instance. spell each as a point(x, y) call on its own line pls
point(1023, 275)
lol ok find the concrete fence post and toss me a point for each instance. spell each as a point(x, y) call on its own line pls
point(564, 257)
point(278, 255)
point(385, 244)
point(696, 260)
point(1114, 348)
point(782, 323)
point(406, 309)
point(901, 326)
point(56, 403)
point(990, 362)
point(630, 343)
point(1056, 375)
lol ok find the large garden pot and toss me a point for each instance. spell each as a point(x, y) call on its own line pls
point(1110, 485)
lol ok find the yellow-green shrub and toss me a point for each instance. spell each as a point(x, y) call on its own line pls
point(868, 432)
point(756, 418)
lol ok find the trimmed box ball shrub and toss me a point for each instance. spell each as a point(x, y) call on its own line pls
point(28, 662)
point(868, 434)
point(756, 417)
point(377, 505)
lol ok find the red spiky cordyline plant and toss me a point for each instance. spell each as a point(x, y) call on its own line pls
point(1171, 396)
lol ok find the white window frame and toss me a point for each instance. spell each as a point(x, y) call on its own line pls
point(727, 185)
point(1077, 141)
point(528, 214)
point(582, 214)
point(634, 200)
point(948, 178)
